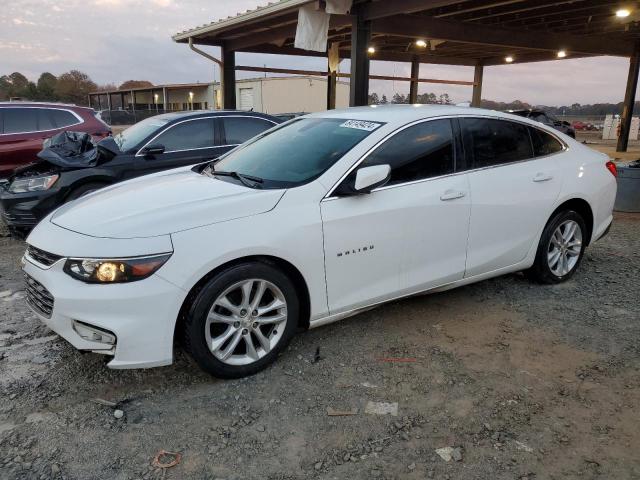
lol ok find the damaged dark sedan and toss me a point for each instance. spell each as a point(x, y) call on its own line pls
point(71, 165)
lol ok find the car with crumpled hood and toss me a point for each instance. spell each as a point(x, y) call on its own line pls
point(75, 167)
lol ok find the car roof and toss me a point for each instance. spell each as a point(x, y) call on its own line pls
point(22, 103)
point(401, 113)
point(212, 113)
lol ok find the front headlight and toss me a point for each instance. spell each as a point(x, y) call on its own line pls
point(108, 270)
point(33, 184)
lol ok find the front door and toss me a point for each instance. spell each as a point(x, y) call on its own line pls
point(405, 237)
point(185, 143)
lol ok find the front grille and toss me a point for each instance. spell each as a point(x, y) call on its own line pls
point(43, 258)
point(38, 297)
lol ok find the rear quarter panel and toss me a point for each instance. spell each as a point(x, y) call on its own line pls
point(586, 177)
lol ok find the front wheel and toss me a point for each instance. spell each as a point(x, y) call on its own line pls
point(241, 320)
point(561, 248)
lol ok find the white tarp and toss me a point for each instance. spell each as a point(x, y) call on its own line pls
point(312, 29)
point(339, 7)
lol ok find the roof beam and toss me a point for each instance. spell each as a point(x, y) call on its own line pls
point(382, 8)
point(283, 32)
point(426, 27)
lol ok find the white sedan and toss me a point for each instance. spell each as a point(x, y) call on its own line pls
point(311, 222)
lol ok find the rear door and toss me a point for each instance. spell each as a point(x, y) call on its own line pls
point(185, 143)
point(20, 139)
point(238, 129)
point(512, 189)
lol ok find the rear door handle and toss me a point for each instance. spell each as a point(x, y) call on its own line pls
point(542, 177)
point(452, 195)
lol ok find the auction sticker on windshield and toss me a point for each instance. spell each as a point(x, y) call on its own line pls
point(361, 125)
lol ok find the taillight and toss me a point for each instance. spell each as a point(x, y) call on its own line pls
point(612, 168)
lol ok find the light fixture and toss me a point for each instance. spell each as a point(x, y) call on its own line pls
point(623, 13)
point(155, 97)
point(562, 53)
point(371, 50)
point(509, 59)
point(421, 43)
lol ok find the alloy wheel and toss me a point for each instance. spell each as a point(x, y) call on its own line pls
point(246, 322)
point(564, 248)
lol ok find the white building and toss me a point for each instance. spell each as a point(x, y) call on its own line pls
point(267, 94)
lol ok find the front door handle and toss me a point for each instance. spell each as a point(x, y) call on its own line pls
point(542, 177)
point(452, 195)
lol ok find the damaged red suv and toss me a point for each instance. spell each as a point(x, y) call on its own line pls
point(25, 125)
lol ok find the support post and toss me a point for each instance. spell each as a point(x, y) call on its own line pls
point(99, 102)
point(476, 98)
point(413, 85)
point(109, 101)
point(332, 85)
point(360, 40)
point(164, 99)
point(629, 101)
point(133, 101)
point(228, 78)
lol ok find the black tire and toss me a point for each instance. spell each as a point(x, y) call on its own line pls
point(541, 271)
point(83, 190)
point(193, 334)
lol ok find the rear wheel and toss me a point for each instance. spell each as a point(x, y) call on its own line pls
point(561, 248)
point(241, 320)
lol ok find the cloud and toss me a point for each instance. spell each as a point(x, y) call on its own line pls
point(20, 21)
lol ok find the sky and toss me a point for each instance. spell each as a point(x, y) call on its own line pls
point(117, 40)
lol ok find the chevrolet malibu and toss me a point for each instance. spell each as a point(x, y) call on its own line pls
point(310, 222)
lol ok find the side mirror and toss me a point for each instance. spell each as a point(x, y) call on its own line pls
point(369, 178)
point(155, 149)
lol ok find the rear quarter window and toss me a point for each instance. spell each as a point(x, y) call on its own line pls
point(543, 143)
point(63, 118)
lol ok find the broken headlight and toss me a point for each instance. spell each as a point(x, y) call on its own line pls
point(33, 184)
point(110, 270)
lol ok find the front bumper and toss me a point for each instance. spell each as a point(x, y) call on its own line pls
point(25, 210)
point(142, 314)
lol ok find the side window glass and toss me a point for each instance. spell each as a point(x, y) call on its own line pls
point(63, 118)
point(188, 135)
point(495, 142)
point(240, 129)
point(20, 120)
point(44, 120)
point(422, 151)
point(543, 143)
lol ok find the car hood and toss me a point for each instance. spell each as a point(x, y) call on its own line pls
point(161, 204)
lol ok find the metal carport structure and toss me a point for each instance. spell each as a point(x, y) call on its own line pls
point(476, 33)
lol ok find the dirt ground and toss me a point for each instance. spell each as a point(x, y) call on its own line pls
point(523, 381)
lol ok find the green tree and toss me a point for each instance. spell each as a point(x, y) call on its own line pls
point(47, 86)
point(373, 99)
point(129, 84)
point(383, 100)
point(74, 87)
point(399, 98)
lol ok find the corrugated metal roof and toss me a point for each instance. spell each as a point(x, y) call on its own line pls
point(246, 17)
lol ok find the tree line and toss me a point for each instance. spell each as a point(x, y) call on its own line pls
point(576, 109)
point(70, 87)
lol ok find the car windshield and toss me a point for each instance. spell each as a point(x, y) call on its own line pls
point(131, 137)
point(296, 153)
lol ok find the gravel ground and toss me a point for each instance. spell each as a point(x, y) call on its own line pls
point(522, 382)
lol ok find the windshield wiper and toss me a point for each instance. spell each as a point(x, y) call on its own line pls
point(240, 176)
